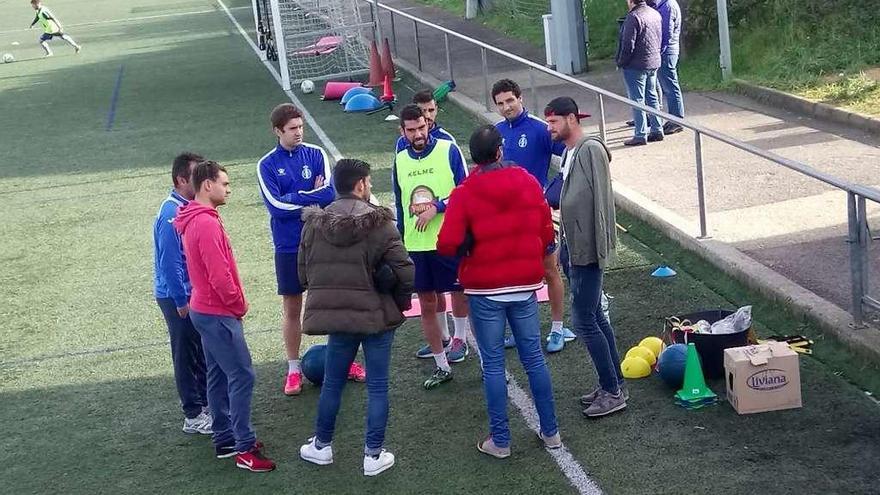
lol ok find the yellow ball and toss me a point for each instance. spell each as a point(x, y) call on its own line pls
point(655, 344)
point(644, 353)
point(635, 367)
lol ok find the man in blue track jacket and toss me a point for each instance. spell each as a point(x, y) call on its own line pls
point(172, 290)
point(292, 176)
point(527, 143)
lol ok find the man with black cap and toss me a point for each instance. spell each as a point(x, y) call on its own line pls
point(590, 241)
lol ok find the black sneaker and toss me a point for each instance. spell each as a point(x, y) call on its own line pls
point(655, 136)
point(635, 142)
point(225, 451)
point(670, 128)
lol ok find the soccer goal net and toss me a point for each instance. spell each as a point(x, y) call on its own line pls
point(314, 39)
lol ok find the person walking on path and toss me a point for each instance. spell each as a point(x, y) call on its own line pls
point(638, 55)
point(667, 74)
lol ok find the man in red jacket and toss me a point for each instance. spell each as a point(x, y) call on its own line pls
point(217, 306)
point(499, 223)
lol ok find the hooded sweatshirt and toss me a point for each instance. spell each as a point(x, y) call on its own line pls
point(216, 288)
point(342, 246)
point(498, 220)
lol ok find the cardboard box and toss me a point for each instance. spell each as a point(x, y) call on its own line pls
point(762, 378)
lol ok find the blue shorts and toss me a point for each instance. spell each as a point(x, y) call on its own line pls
point(287, 275)
point(435, 273)
point(49, 36)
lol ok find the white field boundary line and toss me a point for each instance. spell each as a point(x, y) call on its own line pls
point(569, 466)
point(132, 19)
point(331, 148)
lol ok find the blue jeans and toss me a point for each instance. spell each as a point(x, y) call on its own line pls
point(488, 319)
point(341, 351)
point(230, 379)
point(641, 87)
point(591, 325)
point(188, 358)
point(667, 75)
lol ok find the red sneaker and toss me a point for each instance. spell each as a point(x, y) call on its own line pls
point(293, 385)
point(357, 373)
point(254, 460)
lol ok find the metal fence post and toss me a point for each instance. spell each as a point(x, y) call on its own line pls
point(534, 91)
point(856, 261)
point(393, 34)
point(602, 133)
point(701, 191)
point(485, 78)
point(418, 47)
point(448, 57)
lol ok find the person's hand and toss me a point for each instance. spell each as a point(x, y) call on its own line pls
point(183, 311)
point(425, 217)
point(319, 181)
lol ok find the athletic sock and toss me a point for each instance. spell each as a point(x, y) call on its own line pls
point(444, 325)
point(556, 326)
point(442, 363)
point(461, 327)
point(293, 366)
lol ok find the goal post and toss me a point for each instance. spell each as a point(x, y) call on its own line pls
point(319, 39)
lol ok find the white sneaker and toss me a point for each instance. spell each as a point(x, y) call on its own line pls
point(310, 452)
point(375, 465)
point(199, 424)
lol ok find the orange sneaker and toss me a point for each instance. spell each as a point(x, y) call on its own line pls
point(357, 373)
point(293, 385)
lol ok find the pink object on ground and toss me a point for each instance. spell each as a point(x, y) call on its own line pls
point(416, 309)
point(334, 90)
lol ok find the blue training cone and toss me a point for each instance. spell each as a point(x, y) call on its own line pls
point(351, 93)
point(663, 272)
point(362, 103)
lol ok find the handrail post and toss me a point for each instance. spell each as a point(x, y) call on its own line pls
point(602, 133)
point(448, 57)
point(485, 78)
point(418, 47)
point(393, 34)
point(856, 256)
point(701, 191)
point(534, 91)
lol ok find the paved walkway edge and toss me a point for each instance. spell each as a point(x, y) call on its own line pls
point(831, 318)
point(807, 107)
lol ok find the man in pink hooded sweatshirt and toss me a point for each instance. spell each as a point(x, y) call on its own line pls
point(217, 306)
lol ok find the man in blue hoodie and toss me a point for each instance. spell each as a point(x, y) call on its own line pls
point(638, 55)
point(292, 176)
point(172, 290)
point(667, 74)
point(527, 143)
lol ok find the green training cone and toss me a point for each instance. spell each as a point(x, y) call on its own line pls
point(694, 389)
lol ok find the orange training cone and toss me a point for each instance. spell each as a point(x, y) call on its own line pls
point(375, 66)
point(387, 62)
point(387, 90)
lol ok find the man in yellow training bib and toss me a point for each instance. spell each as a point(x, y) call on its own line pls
point(423, 176)
point(51, 28)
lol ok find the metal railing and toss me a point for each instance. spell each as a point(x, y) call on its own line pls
point(858, 233)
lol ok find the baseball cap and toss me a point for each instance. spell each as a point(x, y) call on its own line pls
point(562, 106)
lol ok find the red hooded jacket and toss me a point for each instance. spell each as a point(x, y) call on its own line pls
point(216, 288)
point(499, 221)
